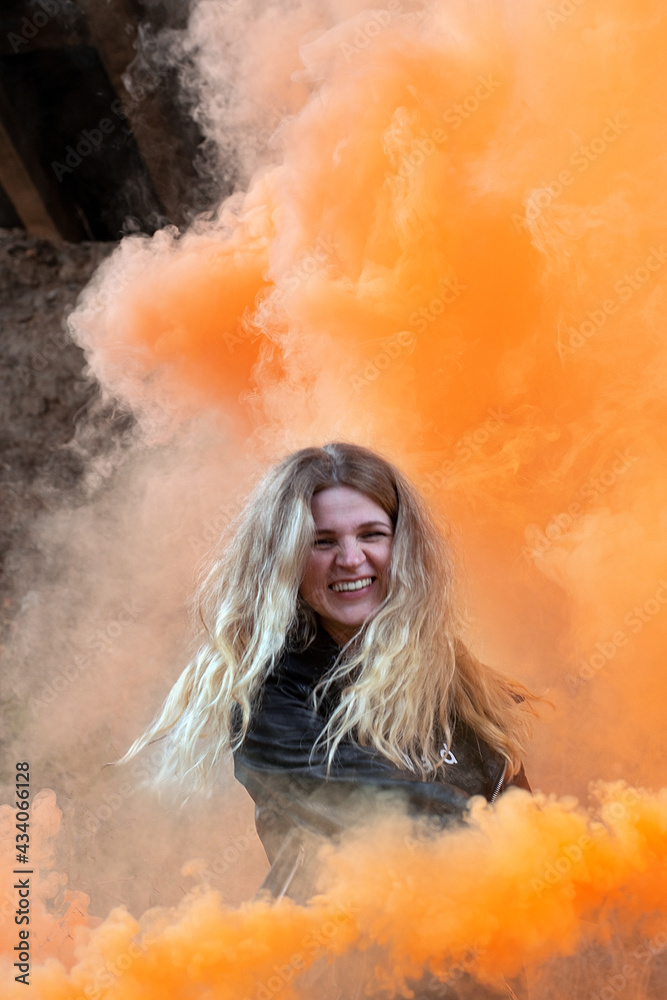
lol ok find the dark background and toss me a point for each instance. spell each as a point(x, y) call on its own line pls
point(96, 141)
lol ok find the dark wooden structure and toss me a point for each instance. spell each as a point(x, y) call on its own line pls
point(94, 140)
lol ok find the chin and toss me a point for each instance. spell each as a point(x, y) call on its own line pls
point(358, 620)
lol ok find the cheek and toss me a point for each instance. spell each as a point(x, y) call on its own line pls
point(384, 559)
point(314, 575)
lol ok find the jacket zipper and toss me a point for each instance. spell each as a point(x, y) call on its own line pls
point(499, 783)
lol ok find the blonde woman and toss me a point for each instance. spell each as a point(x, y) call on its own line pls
point(332, 667)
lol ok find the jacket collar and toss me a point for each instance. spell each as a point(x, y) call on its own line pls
point(309, 664)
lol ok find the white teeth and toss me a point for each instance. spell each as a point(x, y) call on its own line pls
point(356, 585)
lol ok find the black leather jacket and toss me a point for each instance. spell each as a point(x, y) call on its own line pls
point(295, 799)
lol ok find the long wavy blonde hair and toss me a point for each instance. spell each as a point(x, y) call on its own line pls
point(406, 676)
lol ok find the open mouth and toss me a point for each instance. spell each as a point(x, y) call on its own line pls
point(348, 586)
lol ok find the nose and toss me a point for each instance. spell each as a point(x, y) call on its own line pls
point(350, 553)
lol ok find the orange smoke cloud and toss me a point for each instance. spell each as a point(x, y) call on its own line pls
point(457, 259)
point(518, 883)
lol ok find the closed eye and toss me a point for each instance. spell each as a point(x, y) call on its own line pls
point(322, 543)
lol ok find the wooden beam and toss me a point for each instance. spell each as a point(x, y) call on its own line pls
point(24, 195)
point(113, 28)
point(29, 27)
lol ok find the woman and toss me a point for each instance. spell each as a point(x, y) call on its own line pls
point(332, 666)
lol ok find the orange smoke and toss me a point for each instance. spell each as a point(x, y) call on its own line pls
point(517, 884)
point(458, 259)
point(455, 256)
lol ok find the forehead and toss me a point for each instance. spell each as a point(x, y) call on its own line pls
point(339, 507)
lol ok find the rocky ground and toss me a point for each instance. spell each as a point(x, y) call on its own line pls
point(48, 414)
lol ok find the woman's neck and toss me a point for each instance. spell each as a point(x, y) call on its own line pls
point(339, 633)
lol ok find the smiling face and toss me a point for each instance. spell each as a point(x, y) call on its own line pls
point(345, 577)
